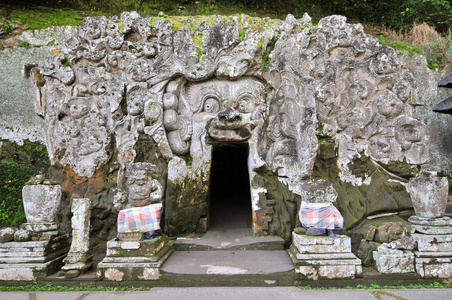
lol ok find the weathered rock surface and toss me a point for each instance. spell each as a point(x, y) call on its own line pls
point(41, 202)
point(6, 234)
point(122, 85)
point(22, 235)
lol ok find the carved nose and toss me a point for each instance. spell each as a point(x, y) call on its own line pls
point(229, 115)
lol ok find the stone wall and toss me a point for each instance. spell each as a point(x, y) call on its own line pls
point(18, 120)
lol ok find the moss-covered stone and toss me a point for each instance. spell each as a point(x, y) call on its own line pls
point(185, 203)
point(357, 202)
point(286, 204)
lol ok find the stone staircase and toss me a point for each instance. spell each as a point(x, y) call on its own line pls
point(229, 255)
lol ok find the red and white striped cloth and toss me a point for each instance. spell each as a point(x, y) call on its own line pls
point(142, 219)
point(320, 215)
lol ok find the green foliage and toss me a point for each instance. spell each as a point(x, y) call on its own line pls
point(24, 44)
point(12, 178)
point(437, 13)
point(43, 17)
point(5, 25)
point(399, 46)
point(18, 163)
point(266, 59)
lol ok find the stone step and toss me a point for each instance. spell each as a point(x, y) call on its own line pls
point(216, 242)
point(227, 263)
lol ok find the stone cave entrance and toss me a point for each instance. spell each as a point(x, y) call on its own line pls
point(230, 198)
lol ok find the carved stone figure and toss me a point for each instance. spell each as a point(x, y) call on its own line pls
point(137, 186)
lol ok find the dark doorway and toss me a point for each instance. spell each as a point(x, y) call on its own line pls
point(230, 199)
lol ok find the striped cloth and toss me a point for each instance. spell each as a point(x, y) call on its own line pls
point(142, 219)
point(320, 215)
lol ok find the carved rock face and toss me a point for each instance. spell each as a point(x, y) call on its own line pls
point(229, 106)
point(122, 83)
point(137, 187)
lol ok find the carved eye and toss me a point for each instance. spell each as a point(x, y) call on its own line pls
point(211, 105)
point(245, 106)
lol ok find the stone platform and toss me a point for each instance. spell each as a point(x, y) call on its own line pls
point(24, 261)
point(434, 256)
point(322, 257)
point(134, 260)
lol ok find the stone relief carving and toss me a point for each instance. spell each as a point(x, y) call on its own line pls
point(137, 186)
point(275, 87)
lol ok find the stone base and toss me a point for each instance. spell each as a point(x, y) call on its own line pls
point(434, 264)
point(321, 244)
point(399, 261)
point(431, 225)
point(32, 260)
point(322, 257)
point(138, 260)
point(77, 264)
point(432, 242)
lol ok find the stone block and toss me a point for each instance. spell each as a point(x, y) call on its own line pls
point(329, 272)
point(131, 236)
point(132, 268)
point(434, 265)
point(314, 266)
point(145, 248)
point(29, 271)
point(394, 262)
point(40, 227)
point(137, 260)
point(432, 243)
point(7, 235)
point(321, 244)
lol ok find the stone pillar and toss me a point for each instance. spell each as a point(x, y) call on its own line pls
point(433, 237)
point(79, 258)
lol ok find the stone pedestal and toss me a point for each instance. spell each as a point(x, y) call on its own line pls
point(434, 255)
point(32, 260)
point(134, 260)
point(323, 257)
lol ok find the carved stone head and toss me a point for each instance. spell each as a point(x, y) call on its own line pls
point(231, 108)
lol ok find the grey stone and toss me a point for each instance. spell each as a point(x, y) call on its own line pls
point(41, 202)
point(321, 244)
point(432, 243)
point(394, 262)
point(6, 235)
point(40, 227)
point(134, 260)
point(22, 235)
point(183, 90)
point(79, 258)
point(429, 195)
point(405, 243)
point(437, 266)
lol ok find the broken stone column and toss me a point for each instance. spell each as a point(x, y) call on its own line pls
point(433, 237)
point(38, 248)
point(323, 257)
point(79, 258)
